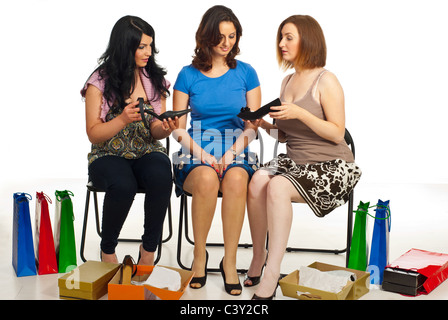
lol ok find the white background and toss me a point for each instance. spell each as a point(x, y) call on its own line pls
point(390, 56)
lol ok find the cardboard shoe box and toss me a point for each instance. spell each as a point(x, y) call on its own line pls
point(88, 281)
point(352, 291)
point(403, 281)
point(118, 291)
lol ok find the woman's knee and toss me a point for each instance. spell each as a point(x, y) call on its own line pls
point(278, 188)
point(155, 170)
point(202, 180)
point(124, 187)
point(258, 184)
point(235, 181)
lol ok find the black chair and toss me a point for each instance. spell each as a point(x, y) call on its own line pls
point(183, 214)
point(349, 140)
point(92, 189)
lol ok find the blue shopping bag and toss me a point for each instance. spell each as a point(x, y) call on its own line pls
point(23, 259)
point(379, 252)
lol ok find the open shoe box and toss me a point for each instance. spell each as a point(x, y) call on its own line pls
point(117, 291)
point(352, 291)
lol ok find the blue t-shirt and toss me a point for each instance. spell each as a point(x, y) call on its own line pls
point(215, 103)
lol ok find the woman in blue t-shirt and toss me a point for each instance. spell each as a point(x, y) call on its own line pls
point(215, 155)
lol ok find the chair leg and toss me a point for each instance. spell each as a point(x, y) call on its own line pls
point(170, 225)
point(84, 226)
point(184, 208)
point(97, 215)
point(179, 237)
point(159, 251)
point(349, 227)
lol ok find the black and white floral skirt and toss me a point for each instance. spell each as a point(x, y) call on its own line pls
point(324, 186)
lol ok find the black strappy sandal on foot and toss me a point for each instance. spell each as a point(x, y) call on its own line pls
point(229, 287)
point(247, 114)
point(200, 280)
point(253, 280)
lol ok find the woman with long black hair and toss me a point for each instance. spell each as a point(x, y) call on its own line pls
point(127, 156)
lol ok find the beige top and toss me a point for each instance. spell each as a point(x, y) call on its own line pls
point(305, 146)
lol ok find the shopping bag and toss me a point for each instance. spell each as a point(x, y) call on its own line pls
point(358, 248)
point(431, 269)
point(43, 237)
point(22, 237)
point(64, 235)
point(379, 253)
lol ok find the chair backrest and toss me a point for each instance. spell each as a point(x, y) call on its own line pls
point(349, 140)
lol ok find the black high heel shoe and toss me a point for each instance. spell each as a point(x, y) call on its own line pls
point(200, 280)
point(229, 287)
point(255, 297)
point(247, 114)
point(169, 114)
point(253, 280)
point(161, 117)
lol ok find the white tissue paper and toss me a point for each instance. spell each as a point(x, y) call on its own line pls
point(164, 278)
point(326, 281)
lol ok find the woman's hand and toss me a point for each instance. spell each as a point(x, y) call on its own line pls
point(131, 113)
point(209, 159)
point(170, 125)
point(286, 111)
point(224, 162)
point(255, 123)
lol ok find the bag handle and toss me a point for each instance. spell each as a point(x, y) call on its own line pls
point(377, 206)
point(40, 196)
point(380, 206)
point(19, 197)
point(63, 194)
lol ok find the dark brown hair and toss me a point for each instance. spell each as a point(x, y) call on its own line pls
point(312, 48)
point(208, 36)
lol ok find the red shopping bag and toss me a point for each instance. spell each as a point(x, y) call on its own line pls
point(432, 266)
point(45, 251)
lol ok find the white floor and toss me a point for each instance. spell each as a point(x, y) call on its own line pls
point(419, 220)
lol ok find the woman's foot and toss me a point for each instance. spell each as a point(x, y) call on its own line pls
point(199, 267)
point(253, 275)
point(145, 258)
point(232, 283)
point(268, 285)
point(111, 258)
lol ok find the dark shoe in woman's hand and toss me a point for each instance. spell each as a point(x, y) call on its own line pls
point(246, 114)
point(161, 117)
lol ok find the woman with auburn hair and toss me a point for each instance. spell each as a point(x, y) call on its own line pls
point(318, 168)
point(215, 155)
point(127, 156)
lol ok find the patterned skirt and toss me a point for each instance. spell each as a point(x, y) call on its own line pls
point(324, 186)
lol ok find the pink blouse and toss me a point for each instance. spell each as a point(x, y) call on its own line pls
point(147, 86)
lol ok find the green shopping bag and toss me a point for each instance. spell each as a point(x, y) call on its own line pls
point(358, 249)
point(64, 236)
